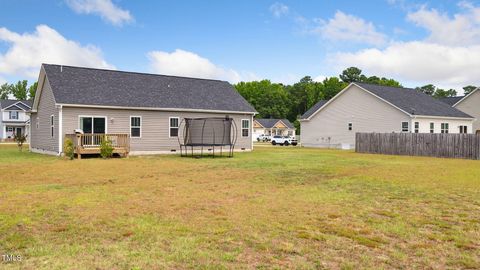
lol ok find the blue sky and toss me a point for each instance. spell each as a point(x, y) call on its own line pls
point(416, 42)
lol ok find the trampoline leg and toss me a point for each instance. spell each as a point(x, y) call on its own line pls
point(214, 151)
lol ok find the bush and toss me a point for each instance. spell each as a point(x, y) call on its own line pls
point(68, 148)
point(106, 148)
point(20, 139)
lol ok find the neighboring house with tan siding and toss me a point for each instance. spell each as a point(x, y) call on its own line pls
point(364, 107)
point(469, 104)
point(271, 127)
point(14, 118)
point(148, 107)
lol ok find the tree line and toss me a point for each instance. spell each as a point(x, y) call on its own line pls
point(19, 90)
point(276, 100)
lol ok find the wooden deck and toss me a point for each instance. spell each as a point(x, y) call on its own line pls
point(90, 143)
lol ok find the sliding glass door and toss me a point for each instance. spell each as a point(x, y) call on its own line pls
point(93, 125)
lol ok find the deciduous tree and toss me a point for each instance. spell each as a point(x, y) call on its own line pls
point(32, 90)
point(468, 89)
point(5, 90)
point(19, 90)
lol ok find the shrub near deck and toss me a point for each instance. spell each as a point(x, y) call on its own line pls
point(274, 207)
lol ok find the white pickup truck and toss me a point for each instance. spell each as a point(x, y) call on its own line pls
point(283, 140)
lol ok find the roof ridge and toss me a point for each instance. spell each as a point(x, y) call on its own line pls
point(134, 72)
point(388, 86)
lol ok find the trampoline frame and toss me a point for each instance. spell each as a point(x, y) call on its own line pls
point(187, 149)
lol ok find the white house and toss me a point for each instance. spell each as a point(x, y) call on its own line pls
point(271, 127)
point(364, 107)
point(469, 104)
point(14, 118)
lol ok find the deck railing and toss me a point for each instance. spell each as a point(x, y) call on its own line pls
point(90, 143)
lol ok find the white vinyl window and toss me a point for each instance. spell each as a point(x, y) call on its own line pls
point(405, 127)
point(9, 129)
point(432, 127)
point(13, 115)
point(135, 126)
point(463, 129)
point(174, 123)
point(245, 127)
point(444, 128)
point(52, 125)
point(417, 127)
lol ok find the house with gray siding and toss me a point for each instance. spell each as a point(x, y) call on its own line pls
point(469, 104)
point(362, 107)
point(147, 107)
point(14, 118)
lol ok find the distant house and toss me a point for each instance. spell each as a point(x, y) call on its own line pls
point(148, 108)
point(469, 104)
point(15, 118)
point(267, 126)
point(364, 107)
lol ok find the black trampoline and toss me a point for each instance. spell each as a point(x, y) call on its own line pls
point(207, 136)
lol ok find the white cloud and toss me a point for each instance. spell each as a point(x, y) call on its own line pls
point(279, 9)
point(320, 78)
point(346, 27)
point(105, 8)
point(448, 57)
point(189, 64)
point(27, 51)
point(461, 29)
point(420, 62)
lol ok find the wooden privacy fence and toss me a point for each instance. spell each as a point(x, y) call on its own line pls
point(420, 144)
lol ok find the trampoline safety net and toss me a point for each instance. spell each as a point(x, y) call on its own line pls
point(210, 136)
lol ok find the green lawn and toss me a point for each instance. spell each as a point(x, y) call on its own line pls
point(277, 207)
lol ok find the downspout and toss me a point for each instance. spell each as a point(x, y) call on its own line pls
point(29, 130)
point(60, 129)
point(252, 116)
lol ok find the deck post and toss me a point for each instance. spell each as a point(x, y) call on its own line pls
point(78, 142)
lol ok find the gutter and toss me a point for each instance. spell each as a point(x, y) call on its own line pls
point(152, 109)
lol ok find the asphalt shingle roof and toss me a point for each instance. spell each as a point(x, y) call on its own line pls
point(88, 86)
point(410, 100)
point(312, 110)
point(413, 102)
point(269, 122)
point(451, 100)
point(4, 103)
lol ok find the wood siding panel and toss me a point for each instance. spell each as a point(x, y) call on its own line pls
point(41, 138)
point(367, 113)
point(155, 126)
